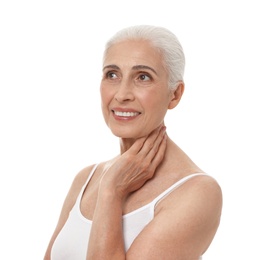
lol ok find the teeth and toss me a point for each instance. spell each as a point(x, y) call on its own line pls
point(126, 114)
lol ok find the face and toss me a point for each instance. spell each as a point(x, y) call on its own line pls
point(134, 89)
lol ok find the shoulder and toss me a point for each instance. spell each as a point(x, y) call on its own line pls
point(205, 187)
point(202, 183)
point(195, 209)
point(209, 193)
point(75, 188)
point(202, 192)
point(185, 222)
point(80, 179)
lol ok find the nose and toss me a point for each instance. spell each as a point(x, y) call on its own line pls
point(124, 92)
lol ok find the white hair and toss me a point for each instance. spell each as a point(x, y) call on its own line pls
point(163, 40)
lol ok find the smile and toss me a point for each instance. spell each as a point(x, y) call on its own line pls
point(126, 114)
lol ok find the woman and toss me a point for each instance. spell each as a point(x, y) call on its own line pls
point(151, 201)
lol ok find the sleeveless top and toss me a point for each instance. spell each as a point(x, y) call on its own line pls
point(72, 241)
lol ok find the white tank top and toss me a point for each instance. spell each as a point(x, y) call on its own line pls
point(72, 241)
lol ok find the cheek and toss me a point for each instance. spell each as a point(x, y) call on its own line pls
point(104, 94)
point(106, 97)
point(157, 102)
point(158, 107)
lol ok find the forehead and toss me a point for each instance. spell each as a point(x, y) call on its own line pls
point(132, 53)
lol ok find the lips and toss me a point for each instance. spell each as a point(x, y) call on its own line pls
point(125, 113)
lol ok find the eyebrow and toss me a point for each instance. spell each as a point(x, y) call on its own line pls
point(137, 67)
point(112, 66)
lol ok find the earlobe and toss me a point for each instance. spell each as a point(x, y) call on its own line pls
point(176, 95)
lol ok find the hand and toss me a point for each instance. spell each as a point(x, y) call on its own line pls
point(137, 165)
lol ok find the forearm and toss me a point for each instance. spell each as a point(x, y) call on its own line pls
point(126, 174)
point(106, 238)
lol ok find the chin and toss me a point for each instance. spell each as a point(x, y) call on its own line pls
point(123, 135)
point(128, 133)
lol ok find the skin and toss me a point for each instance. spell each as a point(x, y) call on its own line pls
point(134, 80)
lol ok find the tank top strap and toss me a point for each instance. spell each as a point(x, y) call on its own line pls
point(173, 187)
point(86, 183)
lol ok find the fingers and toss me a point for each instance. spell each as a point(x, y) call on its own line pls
point(159, 155)
point(139, 163)
point(138, 146)
point(152, 142)
point(152, 153)
point(156, 154)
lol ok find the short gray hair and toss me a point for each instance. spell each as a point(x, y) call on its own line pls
point(163, 40)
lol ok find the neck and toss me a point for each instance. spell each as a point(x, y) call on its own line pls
point(125, 144)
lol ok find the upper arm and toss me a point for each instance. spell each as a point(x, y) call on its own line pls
point(68, 204)
point(184, 224)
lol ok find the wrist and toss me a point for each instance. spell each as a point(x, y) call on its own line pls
point(111, 196)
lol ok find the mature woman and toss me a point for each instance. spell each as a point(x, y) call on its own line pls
point(151, 201)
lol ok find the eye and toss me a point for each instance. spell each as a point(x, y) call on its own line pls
point(111, 75)
point(144, 77)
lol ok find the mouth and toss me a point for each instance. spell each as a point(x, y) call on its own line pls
point(125, 113)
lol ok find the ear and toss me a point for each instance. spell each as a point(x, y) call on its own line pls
point(176, 95)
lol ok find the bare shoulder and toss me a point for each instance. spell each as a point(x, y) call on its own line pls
point(203, 188)
point(185, 222)
point(78, 182)
point(202, 183)
point(202, 192)
point(75, 188)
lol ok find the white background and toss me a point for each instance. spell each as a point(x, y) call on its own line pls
point(51, 125)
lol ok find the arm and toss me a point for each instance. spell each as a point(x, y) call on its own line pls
point(184, 225)
point(127, 174)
